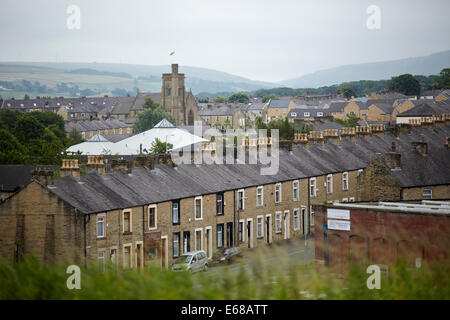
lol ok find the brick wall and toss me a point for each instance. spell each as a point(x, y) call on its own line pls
point(381, 237)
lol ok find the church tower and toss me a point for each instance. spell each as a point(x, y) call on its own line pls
point(173, 95)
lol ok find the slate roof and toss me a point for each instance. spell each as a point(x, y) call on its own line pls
point(15, 177)
point(426, 109)
point(94, 125)
point(217, 109)
point(385, 107)
point(118, 190)
point(279, 103)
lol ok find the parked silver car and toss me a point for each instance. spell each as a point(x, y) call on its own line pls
point(191, 261)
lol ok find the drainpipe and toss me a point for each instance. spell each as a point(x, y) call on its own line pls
point(236, 227)
point(85, 237)
point(143, 233)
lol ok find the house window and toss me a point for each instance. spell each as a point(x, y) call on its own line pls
point(295, 190)
point(293, 114)
point(127, 256)
point(306, 114)
point(198, 239)
point(241, 199)
point(427, 194)
point(278, 222)
point(311, 216)
point(128, 130)
point(219, 204)
point(152, 217)
point(176, 212)
point(241, 229)
point(312, 187)
point(259, 227)
point(176, 244)
point(259, 196)
point(169, 91)
point(320, 114)
point(329, 183)
point(126, 221)
point(100, 226)
point(198, 208)
point(180, 92)
point(220, 235)
point(278, 193)
point(101, 261)
point(296, 219)
point(345, 181)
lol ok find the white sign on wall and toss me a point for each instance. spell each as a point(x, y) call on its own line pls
point(339, 225)
point(338, 214)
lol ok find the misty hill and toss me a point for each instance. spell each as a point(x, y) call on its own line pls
point(198, 79)
point(426, 65)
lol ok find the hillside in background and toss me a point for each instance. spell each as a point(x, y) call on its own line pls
point(426, 65)
point(103, 78)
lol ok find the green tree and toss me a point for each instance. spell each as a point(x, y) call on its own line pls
point(51, 148)
point(75, 137)
point(239, 97)
point(443, 80)
point(11, 150)
point(8, 118)
point(406, 84)
point(150, 104)
point(149, 118)
point(159, 147)
point(268, 97)
point(28, 128)
point(220, 99)
point(347, 92)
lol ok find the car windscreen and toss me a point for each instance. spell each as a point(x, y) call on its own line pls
point(183, 259)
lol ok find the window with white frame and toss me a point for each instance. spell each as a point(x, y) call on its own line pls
point(176, 244)
point(312, 187)
point(306, 114)
point(220, 235)
point(241, 204)
point(198, 239)
point(427, 194)
point(152, 218)
point(127, 256)
point(100, 226)
point(295, 190)
point(278, 193)
point(101, 260)
point(176, 212)
point(198, 208)
point(278, 222)
point(259, 196)
point(359, 172)
point(296, 219)
point(329, 183)
point(345, 181)
point(259, 227)
point(311, 216)
point(320, 114)
point(126, 217)
point(219, 204)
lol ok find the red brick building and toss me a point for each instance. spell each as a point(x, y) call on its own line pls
point(381, 233)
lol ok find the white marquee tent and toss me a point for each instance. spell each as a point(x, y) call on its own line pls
point(164, 131)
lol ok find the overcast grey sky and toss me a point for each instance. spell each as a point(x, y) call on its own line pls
point(260, 39)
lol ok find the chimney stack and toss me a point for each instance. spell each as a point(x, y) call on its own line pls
point(44, 176)
point(70, 166)
point(96, 163)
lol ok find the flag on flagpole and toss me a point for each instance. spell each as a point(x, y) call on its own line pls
point(172, 53)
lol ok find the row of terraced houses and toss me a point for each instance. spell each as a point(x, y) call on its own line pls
point(152, 211)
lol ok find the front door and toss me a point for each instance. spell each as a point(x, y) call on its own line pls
point(249, 234)
point(268, 227)
point(164, 252)
point(138, 255)
point(229, 234)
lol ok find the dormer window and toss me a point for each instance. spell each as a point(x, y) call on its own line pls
point(293, 114)
point(306, 114)
point(320, 114)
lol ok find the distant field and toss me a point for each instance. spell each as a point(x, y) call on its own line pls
point(103, 84)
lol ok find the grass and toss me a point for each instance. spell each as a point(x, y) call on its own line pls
point(251, 278)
